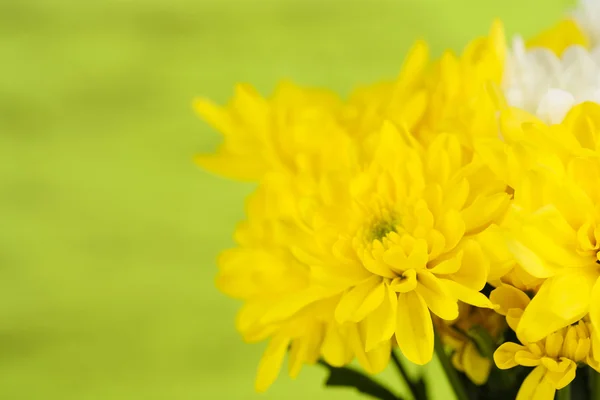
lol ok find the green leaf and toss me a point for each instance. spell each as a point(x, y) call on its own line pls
point(348, 377)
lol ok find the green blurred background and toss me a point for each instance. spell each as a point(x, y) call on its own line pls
point(108, 232)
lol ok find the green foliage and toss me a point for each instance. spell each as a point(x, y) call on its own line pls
point(348, 377)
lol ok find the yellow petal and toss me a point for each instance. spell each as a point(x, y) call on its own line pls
point(437, 298)
point(493, 245)
point(558, 38)
point(535, 387)
point(304, 350)
point(475, 266)
point(452, 226)
point(216, 116)
point(554, 344)
point(293, 303)
point(362, 299)
point(504, 356)
point(476, 367)
point(529, 260)
point(508, 297)
point(373, 361)
point(381, 323)
point(483, 211)
point(405, 283)
point(379, 357)
point(527, 358)
point(270, 363)
point(419, 256)
point(414, 64)
point(513, 317)
point(448, 266)
point(335, 348)
point(466, 294)
point(414, 329)
point(562, 374)
point(561, 301)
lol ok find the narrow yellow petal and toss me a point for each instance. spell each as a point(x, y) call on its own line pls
point(414, 328)
point(476, 367)
point(218, 117)
point(270, 363)
point(437, 298)
point(554, 344)
point(452, 226)
point(304, 350)
point(373, 361)
point(414, 64)
point(360, 300)
point(474, 268)
point(448, 266)
point(467, 295)
point(483, 211)
point(535, 387)
point(381, 323)
point(335, 348)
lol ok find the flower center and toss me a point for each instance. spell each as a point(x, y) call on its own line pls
point(382, 228)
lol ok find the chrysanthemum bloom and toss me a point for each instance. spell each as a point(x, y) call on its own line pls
point(555, 359)
point(399, 238)
point(385, 243)
point(470, 337)
point(553, 226)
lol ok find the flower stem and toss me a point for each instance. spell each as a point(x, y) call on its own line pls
point(451, 374)
point(414, 390)
point(564, 393)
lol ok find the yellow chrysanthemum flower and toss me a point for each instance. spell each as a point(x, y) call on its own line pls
point(553, 226)
point(397, 241)
point(374, 251)
point(555, 359)
point(461, 334)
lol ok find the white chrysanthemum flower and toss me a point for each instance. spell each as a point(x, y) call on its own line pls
point(548, 86)
point(587, 16)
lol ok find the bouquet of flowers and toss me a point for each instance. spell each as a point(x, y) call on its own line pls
point(454, 209)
